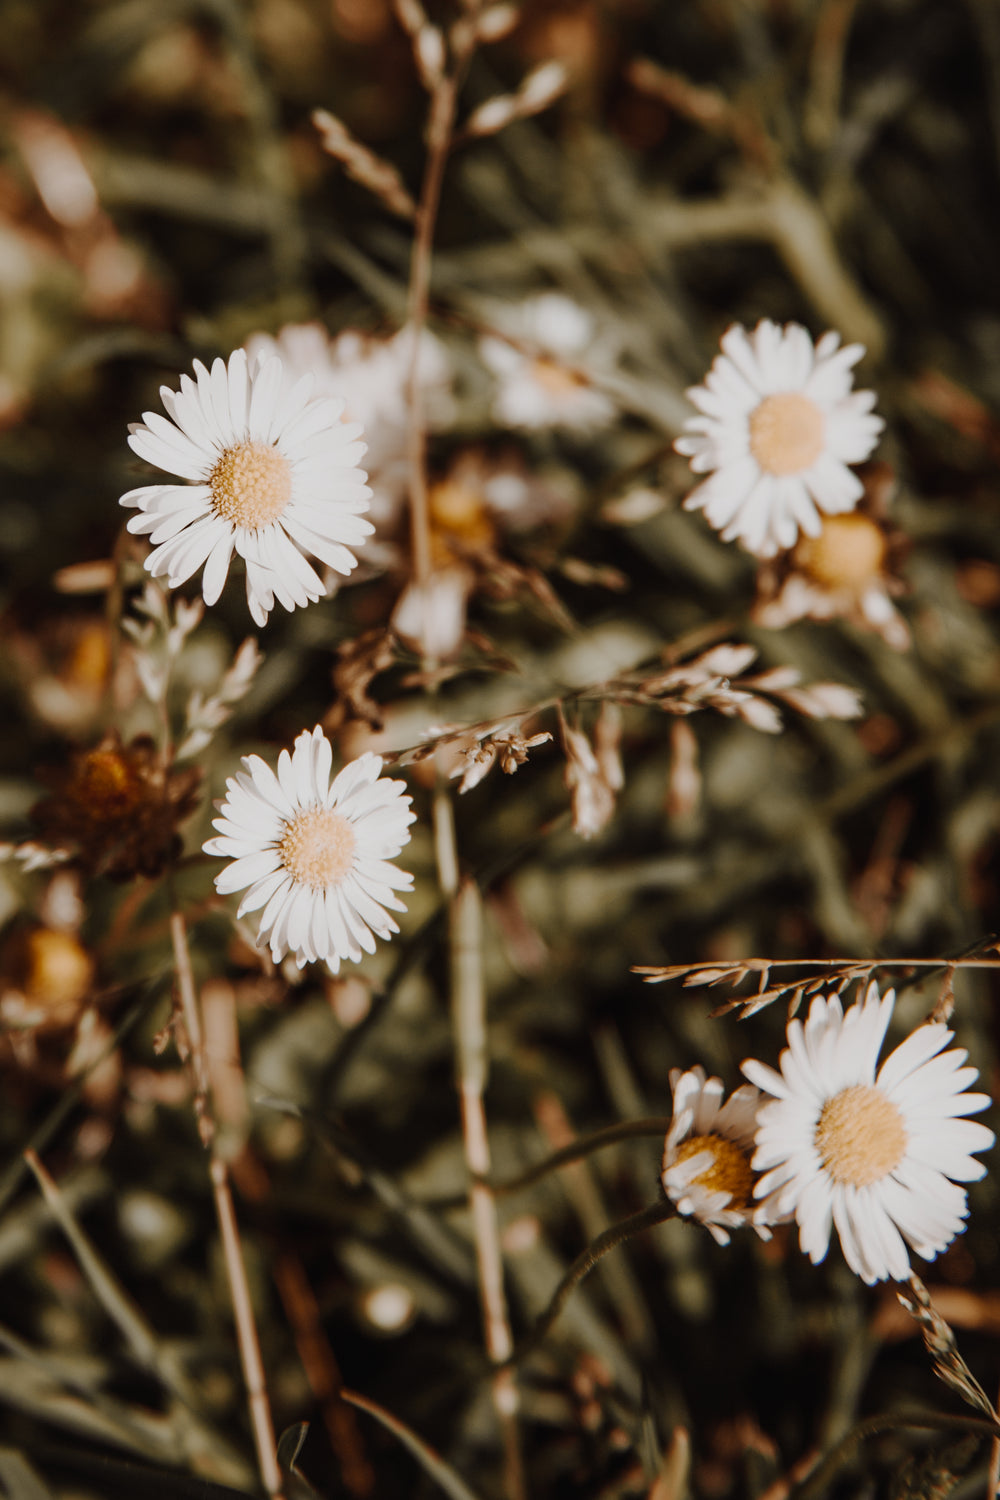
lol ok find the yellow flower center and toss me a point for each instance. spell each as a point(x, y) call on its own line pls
point(786, 433)
point(59, 970)
point(318, 847)
point(848, 552)
point(554, 378)
point(251, 484)
point(860, 1135)
point(729, 1171)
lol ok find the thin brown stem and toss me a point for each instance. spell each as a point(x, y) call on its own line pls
point(582, 1146)
point(826, 1471)
point(468, 999)
point(444, 102)
point(585, 1262)
point(440, 130)
point(472, 1063)
point(239, 1288)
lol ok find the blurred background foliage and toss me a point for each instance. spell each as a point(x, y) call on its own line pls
point(163, 196)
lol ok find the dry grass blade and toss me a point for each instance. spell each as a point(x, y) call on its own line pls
point(19, 1479)
point(373, 172)
point(432, 1463)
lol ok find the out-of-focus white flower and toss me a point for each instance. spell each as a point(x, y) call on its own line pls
point(272, 474)
point(844, 572)
point(778, 426)
point(314, 853)
point(370, 375)
point(877, 1155)
point(542, 389)
point(430, 617)
point(706, 1157)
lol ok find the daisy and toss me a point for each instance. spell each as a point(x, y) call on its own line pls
point(707, 1170)
point(778, 426)
point(314, 853)
point(273, 475)
point(540, 390)
point(878, 1155)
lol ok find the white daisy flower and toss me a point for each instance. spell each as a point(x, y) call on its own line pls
point(877, 1155)
point(272, 474)
point(371, 376)
point(538, 390)
point(706, 1168)
point(779, 424)
point(314, 853)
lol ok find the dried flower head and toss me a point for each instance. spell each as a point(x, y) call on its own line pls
point(778, 427)
point(117, 808)
point(593, 781)
point(273, 475)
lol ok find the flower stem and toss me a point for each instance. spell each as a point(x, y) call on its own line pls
point(440, 128)
point(585, 1262)
point(472, 1064)
point(827, 1469)
point(239, 1288)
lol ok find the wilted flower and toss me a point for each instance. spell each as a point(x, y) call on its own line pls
point(273, 476)
point(542, 389)
point(778, 426)
point(877, 1155)
point(314, 853)
point(117, 807)
point(707, 1169)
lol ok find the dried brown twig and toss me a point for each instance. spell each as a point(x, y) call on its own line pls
point(836, 975)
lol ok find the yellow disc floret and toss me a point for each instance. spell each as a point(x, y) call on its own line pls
point(729, 1170)
point(848, 553)
point(251, 484)
point(860, 1135)
point(317, 848)
point(787, 432)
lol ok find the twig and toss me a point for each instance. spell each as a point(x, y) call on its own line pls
point(246, 1327)
point(440, 128)
point(468, 1000)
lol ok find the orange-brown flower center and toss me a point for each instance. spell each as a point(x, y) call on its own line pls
point(729, 1171)
point(860, 1135)
point(251, 484)
point(318, 847)
point(59, 970)
point(786, 433)
point(848, 552)
point(554, 378)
